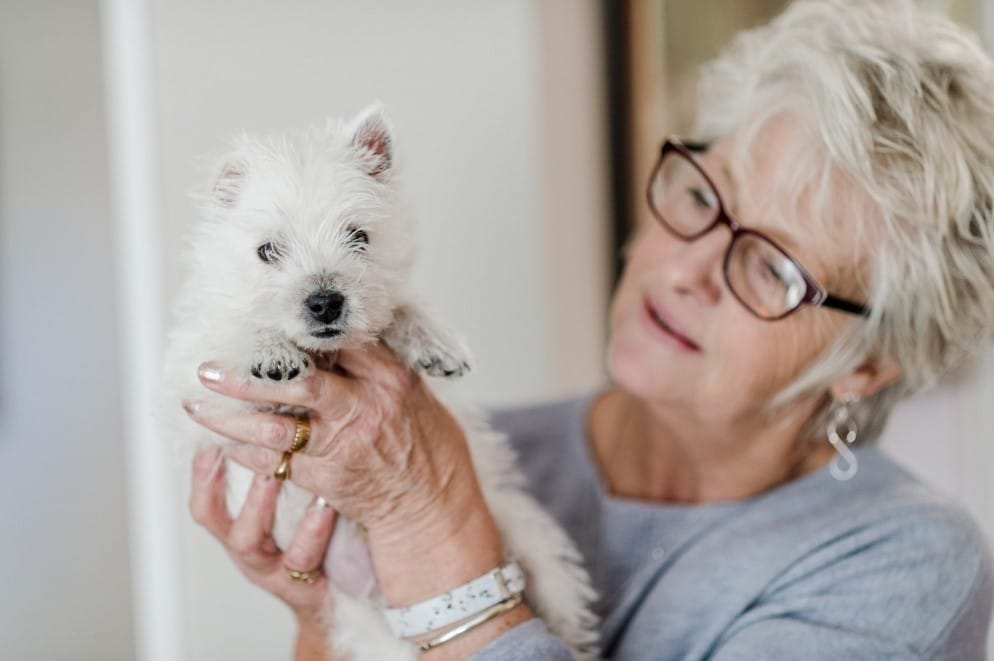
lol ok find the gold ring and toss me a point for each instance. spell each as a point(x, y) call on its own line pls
point(298, 576)
point(282, 472)
point(301, 434)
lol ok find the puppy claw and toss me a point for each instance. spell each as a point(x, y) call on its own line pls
point(280, 363)
point(424, 345)
point(444, 366)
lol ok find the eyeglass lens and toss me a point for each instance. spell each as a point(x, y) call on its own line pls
point(760, 275)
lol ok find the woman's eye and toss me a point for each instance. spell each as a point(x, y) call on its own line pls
point(701, 198)
point(268, 252)
point(770, 273)
point(358, 239)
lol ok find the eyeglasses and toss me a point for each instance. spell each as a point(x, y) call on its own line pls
point(762, 276)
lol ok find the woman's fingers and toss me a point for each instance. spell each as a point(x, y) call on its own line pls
point(256, 459)
point(306, 553)
point(310, 543)
point(207, 496)
point(250, 538)
point(267, 430)
point(318, 390)
point(265, 461)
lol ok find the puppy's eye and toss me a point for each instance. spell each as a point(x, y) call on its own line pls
point(268, 252)
point(357, 239)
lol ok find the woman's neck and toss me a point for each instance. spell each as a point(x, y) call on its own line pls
point(659, 456)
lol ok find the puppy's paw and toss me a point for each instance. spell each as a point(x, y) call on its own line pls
point(443, 361)
point(280, 363)
point(424, 344)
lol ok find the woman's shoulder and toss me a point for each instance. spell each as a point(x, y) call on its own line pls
point(898, 503)
point(938, 541)
point(883, 509)
point(886, 553)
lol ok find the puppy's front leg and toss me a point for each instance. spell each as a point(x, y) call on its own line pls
point(426, 345)
point(277, 358)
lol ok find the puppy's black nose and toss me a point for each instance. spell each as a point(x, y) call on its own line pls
point(325, 306)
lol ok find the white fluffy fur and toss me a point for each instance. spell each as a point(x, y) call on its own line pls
point(308, 193)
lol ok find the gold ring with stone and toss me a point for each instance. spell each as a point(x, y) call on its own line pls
point(298, 576)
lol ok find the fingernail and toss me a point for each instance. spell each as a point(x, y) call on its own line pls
point(210, 372)
point(321, 503)
point(192, 406)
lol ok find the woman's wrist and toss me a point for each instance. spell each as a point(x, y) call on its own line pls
point(419, 556)
point(456, 544)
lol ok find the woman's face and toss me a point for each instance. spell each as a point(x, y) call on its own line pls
point(734, 362)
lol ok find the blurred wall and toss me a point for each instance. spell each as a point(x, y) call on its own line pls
point(64, 557)
point(498, 113)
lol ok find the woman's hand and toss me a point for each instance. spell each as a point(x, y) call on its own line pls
point(383, 451)
point(248, 540)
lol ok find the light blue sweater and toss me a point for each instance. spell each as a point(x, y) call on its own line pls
point(875, 568)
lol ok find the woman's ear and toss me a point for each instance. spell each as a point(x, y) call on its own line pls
point(866, 380)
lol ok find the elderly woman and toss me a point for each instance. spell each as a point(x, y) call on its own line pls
point(822, 249)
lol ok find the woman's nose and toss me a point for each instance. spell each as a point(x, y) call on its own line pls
point(694, 268)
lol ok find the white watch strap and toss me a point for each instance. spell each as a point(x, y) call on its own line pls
point(495, 587)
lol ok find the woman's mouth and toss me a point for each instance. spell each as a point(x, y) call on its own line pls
point(666, 330)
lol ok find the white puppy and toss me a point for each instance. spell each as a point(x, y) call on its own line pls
point(305, 247)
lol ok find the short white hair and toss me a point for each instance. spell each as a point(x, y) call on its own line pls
point(898, 102)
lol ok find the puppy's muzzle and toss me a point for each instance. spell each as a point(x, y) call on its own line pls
point(325, 307)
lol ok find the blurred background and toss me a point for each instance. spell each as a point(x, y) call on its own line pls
point(526, 129)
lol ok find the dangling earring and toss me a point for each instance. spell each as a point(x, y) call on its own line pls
point(845, 465)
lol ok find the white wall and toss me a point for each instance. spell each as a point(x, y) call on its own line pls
point(64, 563)
point(498, 112)
point(946, 437)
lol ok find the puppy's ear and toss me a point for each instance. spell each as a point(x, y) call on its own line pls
point(371, 136)
point(228, 183)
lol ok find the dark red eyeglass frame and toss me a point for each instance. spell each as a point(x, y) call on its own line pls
point(815, 294)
